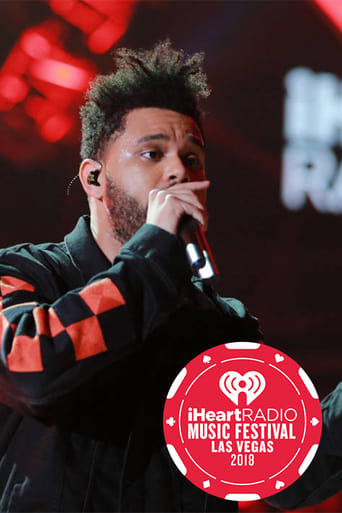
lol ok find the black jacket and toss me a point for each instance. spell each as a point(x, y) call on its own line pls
point(323, 478)
point(88, 352)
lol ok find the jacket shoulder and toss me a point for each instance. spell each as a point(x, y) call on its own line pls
point(242, 324)
point(233, 306)
point(46, 265)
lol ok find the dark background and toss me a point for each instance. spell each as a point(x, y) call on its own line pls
point(285, 266)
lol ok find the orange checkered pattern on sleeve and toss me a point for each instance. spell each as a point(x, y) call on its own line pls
point(73, 326)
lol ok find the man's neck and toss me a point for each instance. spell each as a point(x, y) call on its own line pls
point(104, 237)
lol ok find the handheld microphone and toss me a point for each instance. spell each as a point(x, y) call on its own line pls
point(199, 255)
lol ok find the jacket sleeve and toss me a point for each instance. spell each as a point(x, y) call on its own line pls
point(47, 350)
point(241, 325)
point(323, 478)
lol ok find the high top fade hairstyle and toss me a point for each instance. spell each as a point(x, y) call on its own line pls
point(162, 77)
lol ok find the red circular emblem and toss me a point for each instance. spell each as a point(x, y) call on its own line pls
point(242, 421)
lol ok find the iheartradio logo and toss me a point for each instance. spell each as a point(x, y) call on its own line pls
point(233, 451)
point(251, 383)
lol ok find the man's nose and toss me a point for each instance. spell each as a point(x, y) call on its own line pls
point(177, 171)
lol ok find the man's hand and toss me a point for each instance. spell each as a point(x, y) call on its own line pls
point(166, 207)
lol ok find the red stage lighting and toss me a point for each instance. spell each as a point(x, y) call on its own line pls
point(61, 74)
point(42, 83)
point(104, 21)
point(35, 45)
point(110, 8)
point(56, 127)
point(63, 8)
point(16, 62)
point(102, 39)
point(78, 14)
point(38, 108)
point(12, 88)
point(333, 9)
point(52, 80)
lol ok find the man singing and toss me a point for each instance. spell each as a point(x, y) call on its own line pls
point(94, 329)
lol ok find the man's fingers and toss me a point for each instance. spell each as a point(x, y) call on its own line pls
point(166, 207)
point(167, 195)
point(184, 190)
point(191, 186)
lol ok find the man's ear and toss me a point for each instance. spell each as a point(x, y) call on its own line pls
point(91, 178)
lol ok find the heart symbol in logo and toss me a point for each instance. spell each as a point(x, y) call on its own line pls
point(278, 358)
point(232, 383)
point(314, 421)
point(279, 484)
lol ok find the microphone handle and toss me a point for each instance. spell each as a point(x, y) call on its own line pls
point(199, 254)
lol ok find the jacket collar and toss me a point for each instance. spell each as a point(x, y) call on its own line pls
point(85, 253)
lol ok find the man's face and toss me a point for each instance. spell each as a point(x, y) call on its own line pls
point(157, 149)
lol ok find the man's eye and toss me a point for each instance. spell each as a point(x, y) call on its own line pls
point(152, 155)
point(193, 161)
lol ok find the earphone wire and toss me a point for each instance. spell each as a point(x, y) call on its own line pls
point(70, 184)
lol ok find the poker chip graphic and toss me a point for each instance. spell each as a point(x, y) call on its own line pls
point(242, 421)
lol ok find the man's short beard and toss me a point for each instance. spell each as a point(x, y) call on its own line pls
point(126, 214)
